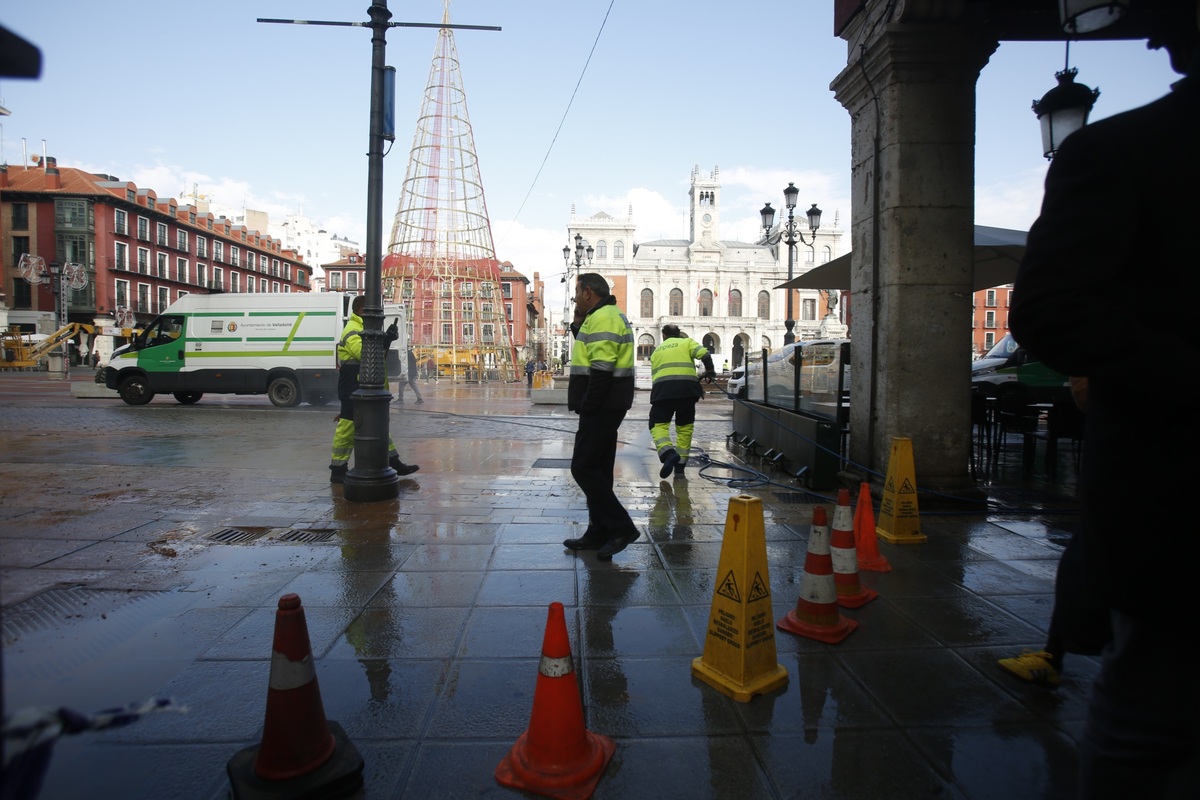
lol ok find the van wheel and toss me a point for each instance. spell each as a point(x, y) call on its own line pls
point(317, 399)
point(135, 390)
point(188, 398)
point(284, 392)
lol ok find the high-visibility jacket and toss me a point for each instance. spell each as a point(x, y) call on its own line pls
point(602, 361)
point(673, 369)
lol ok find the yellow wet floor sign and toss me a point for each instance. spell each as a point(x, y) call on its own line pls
point(739, 645)
point(899, 519)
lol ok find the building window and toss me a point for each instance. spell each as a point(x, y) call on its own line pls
point(447, 310)
point(618, 250)
point(735, 302)
point(120, 222)
point(489, 332)
point(143, 229)
point(218, 281)
point(647, 309)
point(705, 302)
point(143, 261)
point(601, 250)
point(181, 239)
point(989, 319)
point(235, 256)
point(352, 280)
point(675, 303)
point(250, 283)
point(990, 300)
point(506, 290)
point(218, 251)
point(20, 216)
point(989, 341)
point(164, 299)
point(181, 270)
point(73, 214)
point(161, 265)
point(262, 264)
point(201, 247)
point(468, 332)
point(447, 332)
point(645, 347)
point(764, 305)
point(826, 255)
point(201, 275)
point(120, 256)
point(508, 311)
point(163, 235)
point(335, 281)
point(143, 299)
point(121, 293)
point(808, 309)
point(235, 282)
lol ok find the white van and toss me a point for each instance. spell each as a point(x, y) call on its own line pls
point(281, 345)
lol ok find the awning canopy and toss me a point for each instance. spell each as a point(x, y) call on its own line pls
point(998, 253)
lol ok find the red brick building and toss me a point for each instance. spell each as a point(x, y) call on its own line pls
point(140, 254)
point(989, 317)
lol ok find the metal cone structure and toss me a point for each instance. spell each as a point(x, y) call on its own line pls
point(441, 261)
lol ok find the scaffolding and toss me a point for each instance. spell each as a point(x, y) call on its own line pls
point(440, 259)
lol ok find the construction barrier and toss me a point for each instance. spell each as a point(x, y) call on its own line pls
point(543, 379)
point(850, 592)
point(865, 538)
point(816, 614)
point(899, 518)
point(301, 754)
point(739, 648)
point(556, 756)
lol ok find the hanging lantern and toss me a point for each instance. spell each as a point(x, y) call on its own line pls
point(1063, 110)
point(1085, 16)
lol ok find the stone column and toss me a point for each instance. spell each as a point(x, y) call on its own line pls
point(910, 90)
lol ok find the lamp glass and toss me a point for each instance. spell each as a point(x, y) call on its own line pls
point(790, 194)
point(768, 216)
point(814, 217)
point(1085, 16)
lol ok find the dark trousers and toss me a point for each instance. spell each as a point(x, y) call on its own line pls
point(1143, 726)
point(592, 465)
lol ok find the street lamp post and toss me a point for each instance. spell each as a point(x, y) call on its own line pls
point(582, 255)
point(791, 234)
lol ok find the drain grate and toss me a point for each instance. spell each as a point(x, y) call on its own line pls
point(314, 535)
point(796, 498)
point(50, 608)
point(552, 463)
point(235, 536)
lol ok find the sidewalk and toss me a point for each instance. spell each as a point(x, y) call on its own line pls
point(143, 552)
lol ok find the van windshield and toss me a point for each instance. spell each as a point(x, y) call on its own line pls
point(1003, 348)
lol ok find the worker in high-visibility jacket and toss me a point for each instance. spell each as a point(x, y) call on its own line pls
point(349, 354)
point(600, 390)
point(674, 393)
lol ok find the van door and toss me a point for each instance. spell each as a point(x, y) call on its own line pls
point(161, 354)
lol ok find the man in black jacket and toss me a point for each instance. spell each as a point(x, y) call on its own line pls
point(1074, 294)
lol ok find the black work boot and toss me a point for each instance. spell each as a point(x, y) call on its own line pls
point(401, 468)
point(591, 540)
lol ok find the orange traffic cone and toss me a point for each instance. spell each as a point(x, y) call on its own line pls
point(816, 613)
point(869, 557)
point(301, 754)
point(850, 593)
point(556, 756)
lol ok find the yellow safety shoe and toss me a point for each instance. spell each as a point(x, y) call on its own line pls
point(1031, 666)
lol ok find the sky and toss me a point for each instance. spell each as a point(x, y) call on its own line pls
point(596, 105)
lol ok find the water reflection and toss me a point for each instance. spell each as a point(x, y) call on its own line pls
point(671, 515)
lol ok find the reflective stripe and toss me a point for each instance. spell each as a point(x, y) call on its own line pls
point(556, 667)
point(579, 370)
point(605, 336)
point(287, 674)
point(661, 378)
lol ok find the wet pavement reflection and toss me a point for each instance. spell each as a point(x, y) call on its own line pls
point(143, 551)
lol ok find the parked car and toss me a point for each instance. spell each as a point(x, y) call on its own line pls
point(1009, 367)
point(736, 385)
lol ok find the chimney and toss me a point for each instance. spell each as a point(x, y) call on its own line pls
point(53, 179)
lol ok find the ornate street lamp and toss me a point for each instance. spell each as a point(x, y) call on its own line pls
point(791, 234)
point(1064, 109)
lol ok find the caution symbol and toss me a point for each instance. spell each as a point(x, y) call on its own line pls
point(729, 588)
point(907, 487)
point(758, 590)
point(899, 518)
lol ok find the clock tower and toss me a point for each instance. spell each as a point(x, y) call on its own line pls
point(705, 208)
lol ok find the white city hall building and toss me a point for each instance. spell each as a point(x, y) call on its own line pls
point(720, 293)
